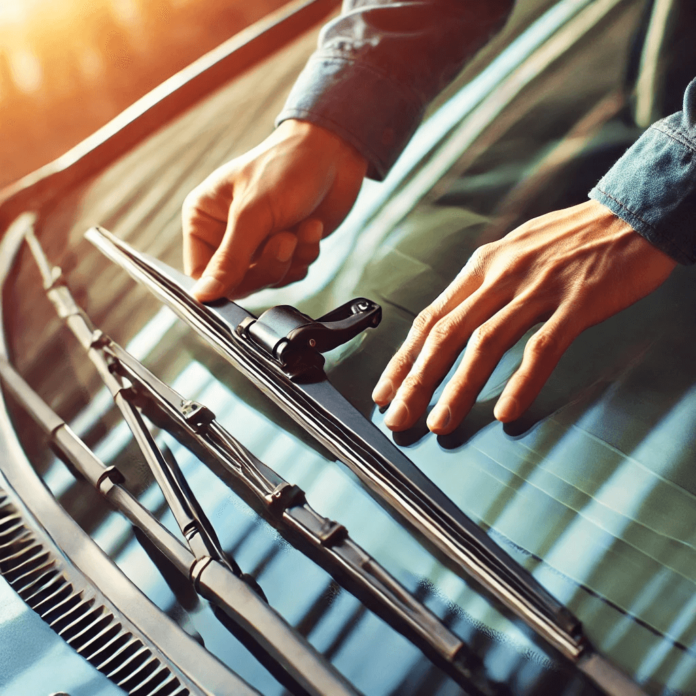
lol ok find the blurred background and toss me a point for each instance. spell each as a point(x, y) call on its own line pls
point(69, 66)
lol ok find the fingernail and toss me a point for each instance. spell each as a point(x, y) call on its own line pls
point(208, 288)
point(286, 248)
point(439, 417)
point(506, 409)
point(383, 392)
point(397, 415)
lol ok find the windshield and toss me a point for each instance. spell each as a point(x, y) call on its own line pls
point(591, 491)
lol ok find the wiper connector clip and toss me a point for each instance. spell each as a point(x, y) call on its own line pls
point(196, 414)
point(295, 341)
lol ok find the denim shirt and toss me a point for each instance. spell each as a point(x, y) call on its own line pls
point(653, 186)
point(380, 63)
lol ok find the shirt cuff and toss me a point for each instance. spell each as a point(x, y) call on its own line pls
point(366, 108)
point(653, 188)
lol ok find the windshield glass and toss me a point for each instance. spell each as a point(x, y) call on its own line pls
point(591, 490)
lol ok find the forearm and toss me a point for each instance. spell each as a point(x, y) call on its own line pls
point(379, 64)
point(653, 186)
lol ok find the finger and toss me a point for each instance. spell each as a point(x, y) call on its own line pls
point(202, 235)
point(444, 343)
point(400, 365)
point(197, 255)
point(247, 229)
point(310, 231)
point(486, 347)
point(305, 254)
point(293, 275)
point(337, 202)
point(309, 234)
point(271, 266)
point(541, 355)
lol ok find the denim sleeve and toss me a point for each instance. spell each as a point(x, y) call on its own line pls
point(380, 63)
point(653, 186)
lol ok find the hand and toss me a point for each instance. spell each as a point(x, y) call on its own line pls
point(257, 220)
point(572, 269)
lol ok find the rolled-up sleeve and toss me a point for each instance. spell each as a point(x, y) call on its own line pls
point(653, 186)
point(380, 63)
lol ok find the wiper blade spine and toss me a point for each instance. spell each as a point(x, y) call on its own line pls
point(213, 575)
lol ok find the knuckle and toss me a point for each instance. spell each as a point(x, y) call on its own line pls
point(308, 253)
point(483, 338)
point(423, 321)
point(543, 344)
point(441, 333)
point(190, 201)
point(413, 383)
point(190, 206)
point(478, 261)
point(476, 258)
point(223, 260)
point(401, 362)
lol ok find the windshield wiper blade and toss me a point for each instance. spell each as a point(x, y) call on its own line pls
point(282, 504)
point(192, 521)
point(215, 575)
point(387, 473)
point(211, 579)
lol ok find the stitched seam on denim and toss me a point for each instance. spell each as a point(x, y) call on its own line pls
point(668, 242)
point(627, 209)
point(674, 135)
point(338, 59)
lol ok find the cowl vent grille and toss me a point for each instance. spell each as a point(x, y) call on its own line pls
point(81, 620)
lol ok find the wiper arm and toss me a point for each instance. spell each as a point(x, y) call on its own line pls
point(214, 575)
point(290, 651)
point(282, 504)
point(189, 516)
point(387, 473)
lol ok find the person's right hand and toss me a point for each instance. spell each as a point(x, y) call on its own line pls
point(257, 220)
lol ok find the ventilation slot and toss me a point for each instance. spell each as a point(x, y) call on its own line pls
point(90, 628)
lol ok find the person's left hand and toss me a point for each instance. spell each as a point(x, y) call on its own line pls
point(571, 268)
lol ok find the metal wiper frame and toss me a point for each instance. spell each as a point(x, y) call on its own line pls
point(211, 578)
point(386, 472)
point(282, 504)
point(192, 521)
point(214, 575)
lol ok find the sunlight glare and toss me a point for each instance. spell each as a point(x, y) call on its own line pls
point(26, 70)
point(125, 11)
point(13, 12)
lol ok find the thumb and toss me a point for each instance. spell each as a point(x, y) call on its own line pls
point(247, 230)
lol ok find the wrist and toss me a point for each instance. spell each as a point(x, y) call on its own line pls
point(315, 136)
